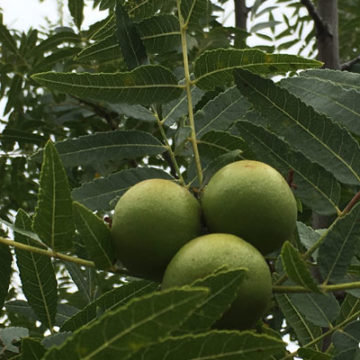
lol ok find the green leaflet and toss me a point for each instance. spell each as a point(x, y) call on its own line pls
point(53, 220)
point(214, 68)
point(313, 185)
point(109, 301)
point(296, 267)
point(224, 345)
point(95, 235)
point(76, 8)
point(339, 246)
point(37, 275)
point(339, 103)
point(144, 85)
point(102, 194)
point(5, 272)
point(121, 332)
point(315, 135)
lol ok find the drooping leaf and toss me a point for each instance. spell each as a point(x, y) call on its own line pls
point(144, 85)
point(108, 146)
point(319, 309)
point(109, 301)
point(5, 272)
point(313, 134)
point(37, 276)
point(296, 267)
point(31, 349)
point(132, 48)
point(224, 287)
point(346, 342)
point(304, 330)
point(95, 235)
point(221, 112)
point(76, 8)
point(9, 336)
point(215, 67)
point(160, 33)
point(313, 185)
point(53, 220)
point(338, 103)
point(101, 194)
point(224, 345)
point(339, 246)
point(121, 332)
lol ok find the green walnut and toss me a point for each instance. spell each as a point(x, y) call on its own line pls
point(252, 200)
point(152, 221)
point(206, 254)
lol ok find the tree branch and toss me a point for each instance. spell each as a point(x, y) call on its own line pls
point(347, 65)
point(241, 14)
point(321, 26)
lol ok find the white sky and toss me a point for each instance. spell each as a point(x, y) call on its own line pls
point(23, 14)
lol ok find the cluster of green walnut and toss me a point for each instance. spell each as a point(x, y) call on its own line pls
point(246, 211)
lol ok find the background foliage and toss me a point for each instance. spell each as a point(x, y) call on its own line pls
point(164, 90)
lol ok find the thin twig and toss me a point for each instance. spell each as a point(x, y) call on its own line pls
point(347, 65)
point(351, 204)
point(49, 253)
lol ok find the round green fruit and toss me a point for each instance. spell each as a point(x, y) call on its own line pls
point(205, 254)
point(252, 200)
point(152, 221)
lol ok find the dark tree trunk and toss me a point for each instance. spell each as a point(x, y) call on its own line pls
point(241, 13)
point(328, 41)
